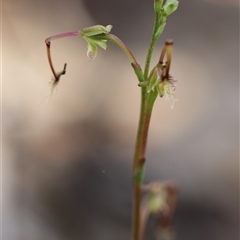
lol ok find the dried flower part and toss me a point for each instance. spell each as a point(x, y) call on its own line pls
point(55, 81)
point(165, 230)
point(160, 199)
point(53, 85)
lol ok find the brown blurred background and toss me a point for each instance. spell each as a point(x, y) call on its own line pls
point(66, 166)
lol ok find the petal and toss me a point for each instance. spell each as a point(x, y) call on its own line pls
point(92, 50)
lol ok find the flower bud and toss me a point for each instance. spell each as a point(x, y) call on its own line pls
point(158, 5)
point(161, 24)
point(170, 6)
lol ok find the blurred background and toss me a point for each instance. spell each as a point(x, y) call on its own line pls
point(66, 167)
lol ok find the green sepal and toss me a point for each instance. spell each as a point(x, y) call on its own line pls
point(161, 24)
point(101, 43)
point(153, 80)
point(152, 96)
point(143, 84)
point(92, 49)
point(95, 30)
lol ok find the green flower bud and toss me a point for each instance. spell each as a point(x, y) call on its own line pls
point(170, 6)
point(158, 5)
point(161, 24)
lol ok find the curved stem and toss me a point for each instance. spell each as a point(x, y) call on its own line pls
point(120, 43)
point(48, 44)
point(62, 35)
point(56, 75)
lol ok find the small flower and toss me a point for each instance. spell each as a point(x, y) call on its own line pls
point(166, 88)
point(156, 197)
point(159, 79)
point(95, 36)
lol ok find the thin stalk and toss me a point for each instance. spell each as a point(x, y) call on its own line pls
point(62, 35)
point(56, 75)
point(48, 46)
point(141, 142)
point(139, 162)
point(151, 46)
point(120, 43)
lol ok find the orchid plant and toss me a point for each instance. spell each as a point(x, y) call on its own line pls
point(157, 198)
